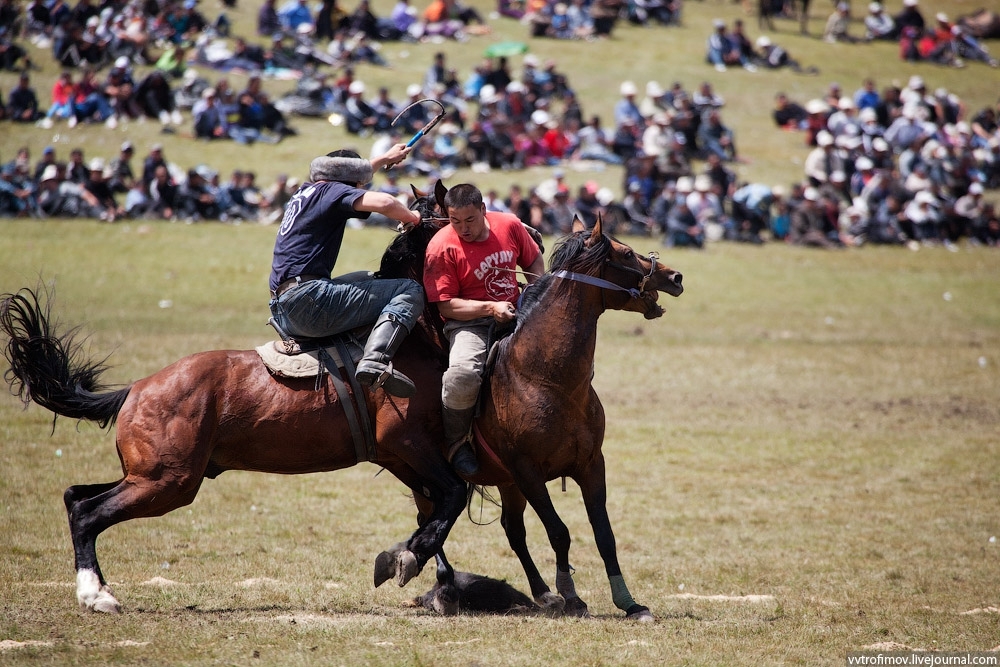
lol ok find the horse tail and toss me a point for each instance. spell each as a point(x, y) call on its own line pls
point(49, 368)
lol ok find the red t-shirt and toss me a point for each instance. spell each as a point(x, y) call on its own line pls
point(455, 269)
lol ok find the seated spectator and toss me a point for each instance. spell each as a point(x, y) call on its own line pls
point(448, 18)
point(155, 99)
point(922, 217)
point(210, 121)
point(773, 56)
point(361, 117)
point(809, 227)
point(823, 160)
point(787, 114)
point(119, 89)
point(401, 19)
point(723, 52)
point(63, 92)
point(909, 17)
point(716, 138)
point(22, 102)
point(163, 193)
point(604, 15)
point(970, 48)
point(878, 24)
point(173, 62)
point(122, 178)
point(107, 208)
point(48, 158)
point(195, 200)
point(683, 229)
point(59, 198)
point(838, 25)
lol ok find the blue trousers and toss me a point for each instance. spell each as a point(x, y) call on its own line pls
point(329, 306)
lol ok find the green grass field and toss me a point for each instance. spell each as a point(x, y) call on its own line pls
point(815, 429)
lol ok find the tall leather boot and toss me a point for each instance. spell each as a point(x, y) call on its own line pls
point(457, 424)
point(375, 368)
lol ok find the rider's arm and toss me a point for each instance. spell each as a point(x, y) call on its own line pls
point(535, 270)
point(387, 205)
point(471, 309)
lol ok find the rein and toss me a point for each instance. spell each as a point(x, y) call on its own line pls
point(634, 292)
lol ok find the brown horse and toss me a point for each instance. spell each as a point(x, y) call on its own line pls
point(540, 414)
point(223, 410)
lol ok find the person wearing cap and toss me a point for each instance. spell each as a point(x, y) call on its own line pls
point(772, 56)
point(97, 185)
point(822, 160)
point(969, 217)
point(752, 211)
point(306, 302)
point(122, 177)
point(809, 227)
point(844, 120)
point(48, 158)
point(968, 47)
point(626, 107)
point(210, 120)
point(838, 25)
point(683, 230)
point(878, 24)
point(470, 272)
point(922, 218)
point(361, 117)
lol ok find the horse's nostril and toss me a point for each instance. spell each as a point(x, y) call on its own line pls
point(678, 277)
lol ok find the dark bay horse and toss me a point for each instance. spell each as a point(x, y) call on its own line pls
point(540, 414)
point(222, 410)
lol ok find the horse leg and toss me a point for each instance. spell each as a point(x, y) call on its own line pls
point(94, 508)
point(532, 485)
point(595, 497)
point(512, 520)
point(441, 506)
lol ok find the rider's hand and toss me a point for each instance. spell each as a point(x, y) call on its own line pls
point(503, 311)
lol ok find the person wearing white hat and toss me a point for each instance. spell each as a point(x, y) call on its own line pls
point(878, 24)
point(922, 218)
point(361, 116)
point(909, 20)
point(822, 160)
point(809, 227)
point(843, 118)
point(107, 208)
point(970, 215)
point(838, 25)
point(626, 108)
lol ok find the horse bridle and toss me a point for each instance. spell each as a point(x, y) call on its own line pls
point(634, 292)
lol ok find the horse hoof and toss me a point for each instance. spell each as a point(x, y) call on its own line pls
point(577, 607)
point(385, 568)
point(105, 603)
point(446, 601)
point(551, 603)
point(406, 568)
point(640, 614)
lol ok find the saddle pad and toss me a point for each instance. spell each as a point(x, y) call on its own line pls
point(302, 365)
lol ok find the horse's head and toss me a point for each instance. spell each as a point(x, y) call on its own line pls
point(404, 258)
point(634, 280)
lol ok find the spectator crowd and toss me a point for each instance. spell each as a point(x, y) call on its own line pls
point(893, 166)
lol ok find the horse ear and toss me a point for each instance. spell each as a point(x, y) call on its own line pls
point(417, 194)
point(595, 236)
point(578, 225)
point(439, 192)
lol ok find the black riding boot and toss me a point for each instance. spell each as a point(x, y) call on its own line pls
point(457, 424)
point(375, 368)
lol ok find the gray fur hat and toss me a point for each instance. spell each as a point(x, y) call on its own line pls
point(345, 169)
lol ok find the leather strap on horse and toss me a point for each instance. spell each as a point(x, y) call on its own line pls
point(357, 418)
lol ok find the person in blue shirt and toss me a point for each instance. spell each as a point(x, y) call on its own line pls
point(307, 302)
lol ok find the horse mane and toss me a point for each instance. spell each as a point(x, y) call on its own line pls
point(404, 258)
point(571, 253)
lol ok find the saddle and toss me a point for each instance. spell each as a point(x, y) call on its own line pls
point(336, 356)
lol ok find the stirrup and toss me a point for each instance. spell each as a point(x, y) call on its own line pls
point(392, 382)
